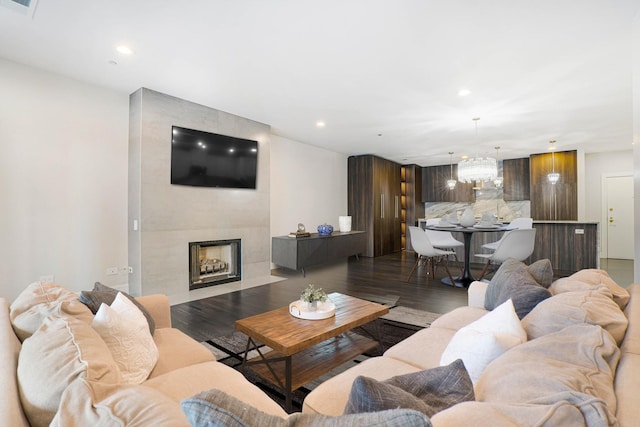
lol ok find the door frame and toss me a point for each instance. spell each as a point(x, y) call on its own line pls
point(604, 218)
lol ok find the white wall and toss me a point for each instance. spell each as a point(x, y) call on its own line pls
point(63, 180)
point(308, 185)
point(598, 165)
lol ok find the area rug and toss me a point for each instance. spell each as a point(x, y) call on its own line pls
point(400, 323)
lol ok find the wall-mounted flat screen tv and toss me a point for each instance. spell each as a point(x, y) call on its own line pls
point(204, 159)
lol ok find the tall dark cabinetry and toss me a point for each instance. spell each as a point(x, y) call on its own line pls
point(374, 198)
point(557, 202)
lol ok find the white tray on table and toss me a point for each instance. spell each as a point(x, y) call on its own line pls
point(300, 310)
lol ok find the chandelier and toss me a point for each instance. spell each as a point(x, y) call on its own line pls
point(478, 168)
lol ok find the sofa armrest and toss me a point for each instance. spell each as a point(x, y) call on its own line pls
point(158, 306)
point(475, 294)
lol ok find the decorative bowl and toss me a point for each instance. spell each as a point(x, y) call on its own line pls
point(325, 229)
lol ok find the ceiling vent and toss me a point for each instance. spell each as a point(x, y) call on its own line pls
point(24, 7)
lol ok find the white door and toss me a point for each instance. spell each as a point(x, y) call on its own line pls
point(619, 214)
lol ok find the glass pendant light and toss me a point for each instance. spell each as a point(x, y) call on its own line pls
point(498, 181)
point(554, 176)
point(451, 183)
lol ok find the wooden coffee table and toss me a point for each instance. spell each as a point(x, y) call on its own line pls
point(303, 349)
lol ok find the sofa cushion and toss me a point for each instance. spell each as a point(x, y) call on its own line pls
point(331, 396)
point(62, 350)
point(429, 391)
point(498, 414)
point(458, 317)
point(184, 382)
point(435, 339)
point(177, 350)
point(600, 277)
point(480, 342)
point(104, 294)
point(514, 281)
point(216, 408)
point(94, 403)
point(40, 300)
point(10, 406)
point(570, 308)
point(576, 365)
point(126, 332)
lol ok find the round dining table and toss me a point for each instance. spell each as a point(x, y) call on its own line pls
point(466, 278)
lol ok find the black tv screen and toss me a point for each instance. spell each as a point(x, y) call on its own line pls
point(204, 159)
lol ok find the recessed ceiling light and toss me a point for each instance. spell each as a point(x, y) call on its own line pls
point(464, 92)
point(320, 124)
point(125, 50)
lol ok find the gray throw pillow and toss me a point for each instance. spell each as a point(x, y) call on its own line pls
point(105, 294)
point(540, 272)
point(517, 284)
point(216, 408)
point(429, 391)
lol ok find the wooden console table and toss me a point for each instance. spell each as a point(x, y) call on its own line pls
point(298, 253)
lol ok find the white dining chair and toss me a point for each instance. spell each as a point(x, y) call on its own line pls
point(516, 224)
point(427, 254)
point(443, 239)
point(518, 244)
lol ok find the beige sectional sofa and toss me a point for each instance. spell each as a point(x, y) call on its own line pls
point(580, 364)
point(80, 389)
point(577, 363)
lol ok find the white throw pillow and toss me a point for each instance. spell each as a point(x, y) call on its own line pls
point(480, 342)
point(126, 331)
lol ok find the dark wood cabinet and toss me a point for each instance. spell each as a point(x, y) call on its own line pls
point(374, 202)
point(571, 246)
point(434, 185)
point(556, 202)
point(516, 181)
point(412, 205)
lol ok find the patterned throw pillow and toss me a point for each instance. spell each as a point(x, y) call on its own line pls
point(429, 391)
point(125, 331)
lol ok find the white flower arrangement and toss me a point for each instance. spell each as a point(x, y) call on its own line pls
point(311, 294)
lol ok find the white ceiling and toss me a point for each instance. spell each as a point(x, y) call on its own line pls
point(382, 74)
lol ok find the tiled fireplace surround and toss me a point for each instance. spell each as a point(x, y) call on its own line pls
point(164, 218)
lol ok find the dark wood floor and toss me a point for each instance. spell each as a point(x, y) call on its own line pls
point(382, 276)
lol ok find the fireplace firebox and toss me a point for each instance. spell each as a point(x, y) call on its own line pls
point(214, 263)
